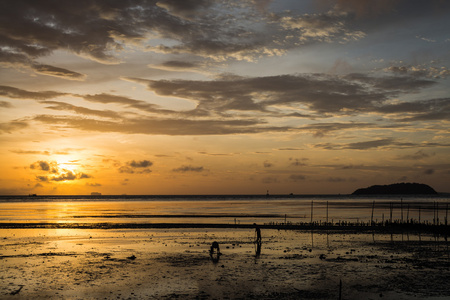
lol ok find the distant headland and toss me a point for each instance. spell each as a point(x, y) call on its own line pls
point(397, 189)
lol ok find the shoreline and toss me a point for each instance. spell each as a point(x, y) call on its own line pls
point(395, 227)
point(167, 264)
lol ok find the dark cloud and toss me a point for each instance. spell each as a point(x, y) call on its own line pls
point(58, 72)
point(387, 143)
point(298, 162)
point(15, 93)
point(415, 156)
point(55, 105)
point(267, 164)
point(40, 165)
point(140, 164)
point(42, 178)
point(97, 29)
point(128, 102)
point(322, 129)
point(422, 110)
point(419, 71)
point(187, 9)
point(184, 169)
point(161, 126)
point(407, 8)
point(69, 175)
point(175, 65)
point(136, 167)
point(321, 93)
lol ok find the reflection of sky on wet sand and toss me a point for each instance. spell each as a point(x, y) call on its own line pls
point(223, 211)
point(140, 264)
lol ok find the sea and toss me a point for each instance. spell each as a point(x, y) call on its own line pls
point(222, 209)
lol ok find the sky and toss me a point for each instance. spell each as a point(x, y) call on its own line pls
point(223, 97)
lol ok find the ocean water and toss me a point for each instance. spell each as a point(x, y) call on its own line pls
point(221, 209)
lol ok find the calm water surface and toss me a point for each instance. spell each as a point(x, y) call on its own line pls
point(240, 209)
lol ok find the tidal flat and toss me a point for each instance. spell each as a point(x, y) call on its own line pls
point(175, 263)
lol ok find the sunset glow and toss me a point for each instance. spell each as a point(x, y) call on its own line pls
point(223, 97)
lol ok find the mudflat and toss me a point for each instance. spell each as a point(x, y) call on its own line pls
point(175, 263)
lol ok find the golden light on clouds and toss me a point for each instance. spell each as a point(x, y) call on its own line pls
point(223, 97)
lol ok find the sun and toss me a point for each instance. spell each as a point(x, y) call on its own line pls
point(69, 165)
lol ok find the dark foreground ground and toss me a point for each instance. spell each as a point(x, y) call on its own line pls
point(170, 263)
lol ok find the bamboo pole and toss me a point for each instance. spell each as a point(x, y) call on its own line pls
point(407, 215)
point(327, 212)
point(401, 209)
point(446, 215)
point(437, 213)
point(434, 212)
point(419, 214)
point(391, 206)
point(371, 218)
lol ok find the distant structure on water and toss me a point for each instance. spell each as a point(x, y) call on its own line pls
point(96, 194)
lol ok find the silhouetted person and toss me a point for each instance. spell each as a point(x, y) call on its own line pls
point(214, 252)
point(258, 233)
point(258, 249)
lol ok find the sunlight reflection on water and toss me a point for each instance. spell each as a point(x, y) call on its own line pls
point(223, 210)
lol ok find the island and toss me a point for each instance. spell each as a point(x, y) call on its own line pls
point(397, 189)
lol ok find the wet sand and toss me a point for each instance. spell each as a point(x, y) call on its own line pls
point(163, 263)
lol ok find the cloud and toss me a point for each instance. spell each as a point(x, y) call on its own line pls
point(386, 143)
point(5, 104)
point(161, 126)
point(298, 162)
point(65, 176)
point(52, 172)
point(382, 8)
point(428, 172)
point(419, 71)
point(58, 72)
point(136, 167)
point(187, 9)
point(15, 93)
point(40, 165)
point(42, 178)
point(415, 156)
point(269, 180)
point(140, 164)
point(324, 27)
point(422, 110)
point(176, 65)
point(319, 92)
point(12, 126)
point(128, 102)
point(27, 152)
point(185, 169)
point(62, 106)
point(296, 177)
point(267, 164)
